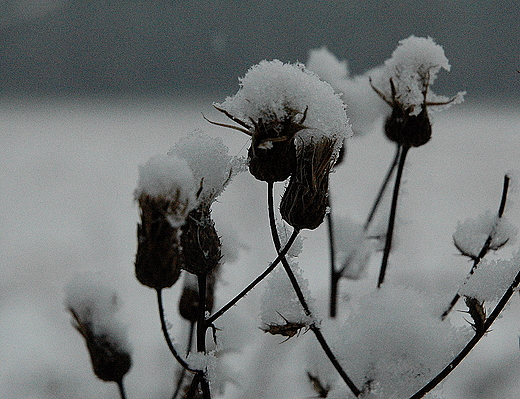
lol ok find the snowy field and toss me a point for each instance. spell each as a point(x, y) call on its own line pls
point(68, 171)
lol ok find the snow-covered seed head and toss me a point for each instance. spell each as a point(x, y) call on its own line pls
point(275, 102)
point(110, 361)
point(165, 194)
point(93, 306)
point(200, 242)
point(404, 84)
point(305, 200)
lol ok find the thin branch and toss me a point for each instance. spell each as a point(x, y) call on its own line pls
point(167, 337)
point(253, 284)
point(485, 247)
point(121, 386)
point(314, 328)
point(383, 187)
point(391, 218)
point(472, 343)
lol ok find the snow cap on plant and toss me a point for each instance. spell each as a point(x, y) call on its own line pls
point(93, 305)
point(210, 163)
point(275, 102)
point(165, 194)
point(404, 85)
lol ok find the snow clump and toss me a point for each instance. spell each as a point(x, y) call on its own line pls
point(209, 161)
point(471, 235)
point(281, 90)
point(168, 178)
point(491, 279)
point(413, 68)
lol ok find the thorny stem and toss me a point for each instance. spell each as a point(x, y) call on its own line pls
point(383, 187)
point(314, 328)
point(473, 342)
point(252, 285)
point(391, 218)
point(183, 371)
point(485, 248)
point(121, 387)
point(167, 337)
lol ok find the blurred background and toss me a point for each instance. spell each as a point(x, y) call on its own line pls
point(90, 89)
point(176, 47)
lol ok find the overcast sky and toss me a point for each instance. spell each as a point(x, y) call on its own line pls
point(157, 47)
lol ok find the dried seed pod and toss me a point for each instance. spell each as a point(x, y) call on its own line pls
point(477, 312)
point(304, 202)
point(289, 329)
point(200, 242)
point(272, 155)
point(109, 359)
point(159, 258)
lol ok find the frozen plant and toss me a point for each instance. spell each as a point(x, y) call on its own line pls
point(391, 341)
point(93, 306)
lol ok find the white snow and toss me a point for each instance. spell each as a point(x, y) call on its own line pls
point(96, 305)
point(471, 235)
point(275, 89)
point(170, 178)
point(352, 246)
point(491, 279)
point(413, 68)
point(210, 162)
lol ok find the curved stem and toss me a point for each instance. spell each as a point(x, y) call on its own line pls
point(485, 247)
point(121, 386)
point(472, 343)
point(391, 218)
point(167, 338)
point(252, 285)
point(314, 328)
point(183, 371)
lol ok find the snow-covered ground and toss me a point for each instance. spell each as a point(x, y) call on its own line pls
point(68, 172)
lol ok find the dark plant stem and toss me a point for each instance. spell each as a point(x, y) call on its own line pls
point(391, 218)
point(121, 386)
point(485, 248)
point(167, 338)
point(294, 282)
point(202, 326)
point(382, 190)
point(473, 342)
point(257, 280)
point(335, 275)
point(180, 380)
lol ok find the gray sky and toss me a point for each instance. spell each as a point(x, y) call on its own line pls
point(173, 47)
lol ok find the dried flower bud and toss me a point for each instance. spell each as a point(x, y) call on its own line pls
point(304, 202)
point(93, 306)
point(272, 155)
point(200, 242)
point(159, 257)
point(110, 360)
